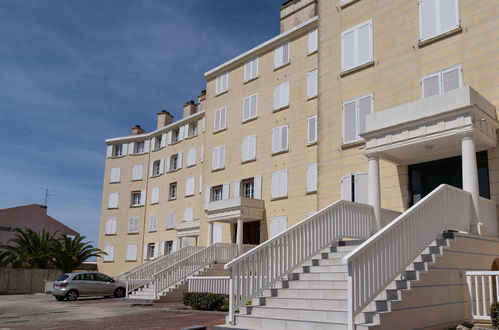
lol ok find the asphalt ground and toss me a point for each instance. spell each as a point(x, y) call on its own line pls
point(40, 311)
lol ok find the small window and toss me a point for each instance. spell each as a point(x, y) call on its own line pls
point(189, 187)
point(153, 220)
point(115, 175)
point(109, 256)
point(174, 162)
point(218, 160)
point(222, 83)
point(176, 135)
point(156, 168)
point(220, 119)
point(118, 150)
point(137, 172)
point(356, 46)
point(312, 83)
point(133, 225)
point(248, 148)
point(441, 81)
point(278, 225)
point(217, 193)
point(279, 184)
point(131, 252)
point(250, 107)
point(170, 219)
point(188, 214)
point(281, 55)
point(151, 250)
point(280, 139)
point(111, 226)
point(354, 117)
point(281, 96)
point(191, 157)
point(112, 202)
point(136, 198)
point(251, 69)
point(139, 147)
point(312, 129)
point(311, 177)
point(313, 41)
point(248, 188)
point(193, 129)
point(437, 17)
point(173, 191)
point(158, 141)
point(155, 195)
point(168, 247)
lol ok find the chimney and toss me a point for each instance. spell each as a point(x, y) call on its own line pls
point(189, 108)
point(137, 130)
point(164, 119)
point(201, 99)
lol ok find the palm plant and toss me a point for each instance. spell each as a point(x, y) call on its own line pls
point(70, 252)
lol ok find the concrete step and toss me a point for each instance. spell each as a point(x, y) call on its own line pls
point(324, 276)
point(325, 269)
point(324, 262)
point(257, 322)
point(311, 284)
point(296, 313)
point(307, 293)
point(336, 304)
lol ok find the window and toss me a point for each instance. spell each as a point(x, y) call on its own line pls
point(279, 184)
point(354, 117)
point(153, 220)
point(170, 219)
point(441, 82)
point(437, 17)
point(138, 198)
point(168, 247)
point(118, 150)
point(312, 83)
point(131, 252)
point(313, 41)
point(157, 167)
point(220, 119)
point(248, 186)
point(137, 172)
point(191, 157)
point(354, 187)
point(189, 186)
point(312, 129)
point(217, 193)
point(279, 139)
point(188, 215)
point(251, 69)
point(281, 95)
point(155, 195)
point(218, 161)
point(250, 107)
point(112, 202)
point(176, 135)
point(139, 147)
point(173, 191)
point(281, 55)
point(115, 175)
point(311, 177)
point(133, 225)
point(151, 251)
point(278, 225)
point(157, 142)
point(174, 162)
point(248, 149)
point(111, 226)
point(222, 83)
point(356, 46)
point(193, 129)
point(109, 249)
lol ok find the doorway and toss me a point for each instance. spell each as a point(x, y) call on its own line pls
point(251, 233)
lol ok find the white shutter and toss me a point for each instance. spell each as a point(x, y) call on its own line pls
point(254, 105)
point(168, 160)
point(206, 197)
point(131, 252)
point(449, 15)
point(189, 186)
point(286, 53)
point(146, 146)
point(365, 108)
point(364, 43)
point(275, 139)
point(180, 133)
point(251, 147)
point(145, 251)
point(124, 149)
point(109, 151)
point(312, 177)
point(153, 143)
point(451, 79)
point(283, 224)
point(162, 248)
point(431, 85)
point(221, 160)
point(109, 249)
point(225, 191)
point(277, 97)
point(112, 202)
point(284, 94)
point(153, 222)
point(170, 219)
point(155, 195)
point(349, 122)
point(346, 187)
point(217, 233)
point(156, 248)
point(115, 174)
point(278, 56)
point(237, 187)
point(109, 227)
point(151, 169)
point(201, 153)
point(215, 158)
point(312, 83)
point(312, 41)
point(274, 227)
point(246, 108)
point(142, 197)
point(283, 183)
point(175, 245)
point(131, 145)
point(191, 157)
point(347, 50)
point(223, 118)
point(428, 18)
point(360, 187)
point(179, 160)
point(161, 165)
point(200, 183)
point(137, 172)
point(163, 140)
point(284, 137)
point(188, 214)
point(244, 149)
point(169, 137)
point(257, 189)
point(312, 129)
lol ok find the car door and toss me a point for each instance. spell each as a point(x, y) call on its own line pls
point(105, 284)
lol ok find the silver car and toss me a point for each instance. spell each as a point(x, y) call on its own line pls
point(70, 286)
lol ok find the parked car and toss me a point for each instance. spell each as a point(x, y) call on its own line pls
point(70, 286)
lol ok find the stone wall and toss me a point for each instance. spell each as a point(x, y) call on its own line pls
point(21, 280)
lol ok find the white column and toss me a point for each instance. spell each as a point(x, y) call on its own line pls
point(209, 241)
point(239, 234)
point(470, 173)
point(373, 188)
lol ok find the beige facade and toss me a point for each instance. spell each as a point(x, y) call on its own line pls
point(269, 152)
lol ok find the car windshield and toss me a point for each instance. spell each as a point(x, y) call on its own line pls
point(62, 277)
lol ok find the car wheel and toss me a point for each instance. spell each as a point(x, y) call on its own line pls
point(119, 293)
point(72, 295)
point(59, 298)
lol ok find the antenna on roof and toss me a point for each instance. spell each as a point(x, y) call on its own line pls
point(46, 197)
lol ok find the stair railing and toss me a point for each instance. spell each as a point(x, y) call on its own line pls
point(259, 268)
point(178, 272)
point(143, 274)
point(380, 259)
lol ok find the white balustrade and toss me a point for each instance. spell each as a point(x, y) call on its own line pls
point(483, 290)
point(379, 260)
point(259, 268)
point(210, 284)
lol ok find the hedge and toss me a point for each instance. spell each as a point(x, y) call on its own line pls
point(206, 301)
point(494, 314)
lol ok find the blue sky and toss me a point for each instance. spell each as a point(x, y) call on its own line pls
point(75, 72)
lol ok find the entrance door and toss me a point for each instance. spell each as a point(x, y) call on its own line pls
point(251, 233)
point(425, 177)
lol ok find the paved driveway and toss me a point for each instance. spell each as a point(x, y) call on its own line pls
point(41, 311)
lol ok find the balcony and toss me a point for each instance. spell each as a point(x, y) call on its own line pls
point(229, 210)
point(188, 228)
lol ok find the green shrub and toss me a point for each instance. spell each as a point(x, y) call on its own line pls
point(494, 314)
point(206, 301)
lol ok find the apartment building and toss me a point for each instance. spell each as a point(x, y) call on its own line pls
point(373, 102)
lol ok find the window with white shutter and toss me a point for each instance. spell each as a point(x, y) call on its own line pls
point(189, 186)
point(112, 202)
point(279, 184)
point(280, 139)
point(313, 41)
point(220, 119)
point(109, 256)
point(250, 107)
point(437, 17)
point(356, 46)
point(188, 216)
point(354, 117)
point(222, 83)
point(312, 83)
point(311, 177)
point(218, 160)
point(251, 69)
point(281, 55)
point(115, 175)
point(278, 225)
point(217, 233)
point(153, 222)
point(131, 252)
point(441, 81)
point(281, 96)
point(191, 157)
point(155, 195)
point(354, 187)
point(248, 148)
point(111, 226)
point(137, 172)
point(312, 129)
point(133, 225)
point(170, 219)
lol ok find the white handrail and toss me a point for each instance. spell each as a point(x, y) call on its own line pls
point(259, 268)
point(379, 260)
point(482, 295)
point(210, 284)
